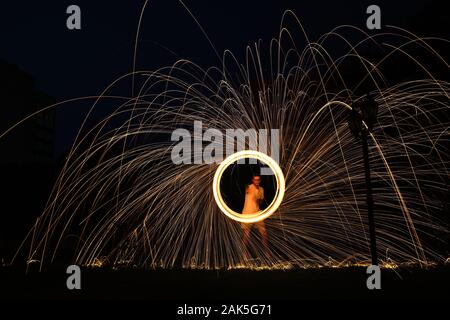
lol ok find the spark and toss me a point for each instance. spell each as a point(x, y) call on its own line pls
point(261, 215)
point(128, 204)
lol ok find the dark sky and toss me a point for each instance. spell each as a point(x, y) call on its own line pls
point(69, 64)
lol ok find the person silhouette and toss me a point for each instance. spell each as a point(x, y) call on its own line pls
point(254, 196)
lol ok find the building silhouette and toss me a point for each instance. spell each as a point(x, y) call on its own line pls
point(33, 140)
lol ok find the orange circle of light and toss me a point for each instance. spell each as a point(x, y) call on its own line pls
point(260, 215)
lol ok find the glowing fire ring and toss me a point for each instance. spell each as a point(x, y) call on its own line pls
point(279, 194)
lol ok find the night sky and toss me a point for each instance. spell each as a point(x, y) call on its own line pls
point(67, 64)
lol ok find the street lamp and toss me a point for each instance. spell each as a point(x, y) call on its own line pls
point(366, 110)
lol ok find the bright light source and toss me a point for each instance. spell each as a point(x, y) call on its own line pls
point(279, 194)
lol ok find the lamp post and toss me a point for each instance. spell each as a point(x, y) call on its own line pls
point(366, 110)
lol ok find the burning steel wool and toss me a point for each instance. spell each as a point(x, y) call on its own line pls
point(127, 203)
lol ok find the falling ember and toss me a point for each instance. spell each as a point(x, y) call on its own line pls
point(127, 203)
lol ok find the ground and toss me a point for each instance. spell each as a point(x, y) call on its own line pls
point(226, 285)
